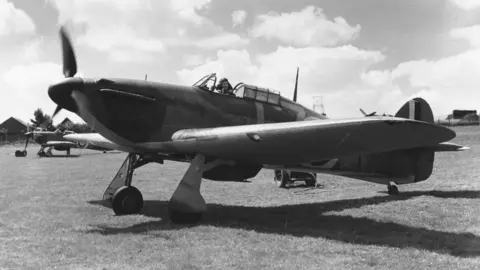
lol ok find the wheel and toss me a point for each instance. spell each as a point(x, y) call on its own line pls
point(180, 217)
point(42, 154)
point(392, 190)
point(312, 180)
point(127, 200)
point(19, 153)
point(281, 178)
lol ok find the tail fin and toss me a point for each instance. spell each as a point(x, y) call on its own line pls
point(416, 109)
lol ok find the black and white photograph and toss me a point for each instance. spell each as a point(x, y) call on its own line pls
point(249, 134)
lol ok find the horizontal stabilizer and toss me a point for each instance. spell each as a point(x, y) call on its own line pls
point(448, 147)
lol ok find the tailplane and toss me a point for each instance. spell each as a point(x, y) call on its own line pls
point(406, 165)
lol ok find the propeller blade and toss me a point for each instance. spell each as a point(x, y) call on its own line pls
point(69, 62)
point(57, 110)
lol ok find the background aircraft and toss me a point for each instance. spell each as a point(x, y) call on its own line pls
point(53, 140)
point(230, 137)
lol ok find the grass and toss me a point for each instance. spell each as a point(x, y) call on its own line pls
point(52, 217)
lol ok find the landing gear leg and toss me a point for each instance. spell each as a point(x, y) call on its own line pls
point(187, 204)
point(282, 178)
point(392, 188)
point(125, 198)
point(68, 151)
point(49, 152)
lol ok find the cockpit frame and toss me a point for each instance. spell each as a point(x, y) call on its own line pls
point(242, 90)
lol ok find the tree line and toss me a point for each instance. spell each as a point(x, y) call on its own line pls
point(44, 121)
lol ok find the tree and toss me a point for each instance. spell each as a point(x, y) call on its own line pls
point(42, 120)
point(75, 127)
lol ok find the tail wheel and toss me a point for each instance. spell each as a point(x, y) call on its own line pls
point(281, 178)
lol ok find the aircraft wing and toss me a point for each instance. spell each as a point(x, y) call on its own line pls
point(93, 141)
point(305, 141)
point(60, 143)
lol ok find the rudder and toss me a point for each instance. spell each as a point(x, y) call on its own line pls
point(416, 109)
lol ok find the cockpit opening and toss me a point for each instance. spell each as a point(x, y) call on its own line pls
point(241, 90)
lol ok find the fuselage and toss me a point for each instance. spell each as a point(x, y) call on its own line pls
point(42, 137)
point(130, 112)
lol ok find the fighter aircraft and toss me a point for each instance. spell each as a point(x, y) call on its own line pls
point(227, 137)
point(54, 140)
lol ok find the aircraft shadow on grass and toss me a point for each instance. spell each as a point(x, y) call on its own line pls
point(309, 220)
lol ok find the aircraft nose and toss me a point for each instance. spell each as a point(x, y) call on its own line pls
point(60, 93)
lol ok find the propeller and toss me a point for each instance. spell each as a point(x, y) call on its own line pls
point(367, 115)
point(69, 61)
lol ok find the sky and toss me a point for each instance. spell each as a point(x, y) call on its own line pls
point(370, 54)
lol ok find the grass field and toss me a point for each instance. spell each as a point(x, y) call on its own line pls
point(51, 217)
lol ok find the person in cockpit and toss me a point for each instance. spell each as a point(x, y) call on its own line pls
point(225, 87)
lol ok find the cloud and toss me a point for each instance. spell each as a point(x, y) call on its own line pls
point(194, 59)
point(466, 4)
point(146, 28)
point(346, 80)
point(308, 27)
point(32, 51)
point(448, 83)
point(471, 34)
point(25, 95)
point(187, 9)
point(238, 17)
point(14, 21)
point(323, 71)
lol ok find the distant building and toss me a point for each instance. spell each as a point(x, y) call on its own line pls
point(12, 129)
point(461, 118)
point(66, 122)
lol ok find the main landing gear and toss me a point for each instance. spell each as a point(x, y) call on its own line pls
point(186, 204)
point(392, 188)
point(42, 153)
point(283, 178)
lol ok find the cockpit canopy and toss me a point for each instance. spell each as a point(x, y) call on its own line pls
point(242, 90)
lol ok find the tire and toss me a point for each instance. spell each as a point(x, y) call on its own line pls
point(19, 153)
point(393, 190)
point(127, 200)
point(312, 180)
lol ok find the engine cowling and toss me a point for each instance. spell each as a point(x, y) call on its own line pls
point(237, 172)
